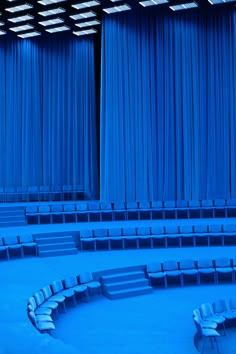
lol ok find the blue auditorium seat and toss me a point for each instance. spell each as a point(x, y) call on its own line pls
point(172, 236)
point(94, 211)
point(229, 234)
point(186, 235)
point(145, 212)
point(87, 240)
point(220, 210)
point(32, 214)
point(194, 209)
point(157, 209)
point(144, 236)
point(201, 235)
point(82, 211)
point(14, 247)
point(106, 211)
point(44, 212)
point(101, 239)
point(119, 211)
point(182, 209)
point(57, 214)
point(206, 270)
point(172, 272)
point(69, 213)
point(130, 237)
point(215, 235)
point(231, 208)
point(169, 209)
point(189, 272)
point(116, 238)
point(207, 210)
point(155, 274)
point(224, 269)
point(132, 211)
point(158, 236)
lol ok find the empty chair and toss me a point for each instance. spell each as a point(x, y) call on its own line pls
point(55, 193)
point(229, 234)
point(119, 211)
point(186, 235)
point(2, 194)
point(21, 193)
point(44, 214)
point(145, 212)
point(220, 308)
point(181, 209)
point(219, 210)
point(208, 314)
point(233, 262)
point(144, 237)
point(215, 235)
point(58, 289)
point(3, 250)
point(94, 287)
point(132, 211)
point(33, 193)
point(42, 326)
point(80, 290)
point(155, 274)
point(224, 270)
point(10, 194)
point(94, 211)
point(201, 235)
point(207, 210)
point(130, 237)
point(43, 193)
point(157, 209)
point(158, 238)
point(194, 209)
point(14, 247)
point(172, 236)
point(106, 211)
point(206, 333)
point(69, 213)
point(231, 208)
point(32, 306)
point(203, 323)
point(232, 304)
point(82, 211)
point(50, 296)
point(101, 239)
point(116, 238)
point(169, 210)
point(189, 272)
point(67, 192)
point(28, 244)
point(43, 303)
point(57, 216)
point(32, 215)
point(172, 272)
point(87, 240)
point(206, 271)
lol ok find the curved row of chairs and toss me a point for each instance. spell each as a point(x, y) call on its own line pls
point(39, 193)
point(17, 246)
point(221, 269)
point(107, 211)
point(209, 318)
point(46, 304)
point(159, 236)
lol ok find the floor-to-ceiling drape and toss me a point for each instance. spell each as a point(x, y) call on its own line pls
point(47, 113)
point(168, 105)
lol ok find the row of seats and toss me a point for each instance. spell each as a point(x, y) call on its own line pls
point(201, 271)
point(17, 246)
point(41, 193)
point(106, 211)
point(158, 236)
point(45, 304)
point(211, 317)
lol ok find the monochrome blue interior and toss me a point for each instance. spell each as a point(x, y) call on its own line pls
point(118, 187)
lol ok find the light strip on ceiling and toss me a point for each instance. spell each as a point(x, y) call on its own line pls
point(56, 11)
point(83, 5)
point(53, 21)
point(19, 8)
point(85, 32)
point(57, 29)
point(186, 6)
point(29, 34)
point(83, 15)
point(49, 2)
point(88, 23)
point(153, 2)
point(21, 18)
point(120, 8)
point(21, 28)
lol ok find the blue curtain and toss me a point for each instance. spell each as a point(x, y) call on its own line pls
point(47, 113)
point(168, 114)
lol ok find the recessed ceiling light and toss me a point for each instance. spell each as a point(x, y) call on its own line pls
point(120, 8)
point(85, 32)
point(88, 23)
point(87, 14)
point(85, 4)
point(21, 28)
point(19, 8)
point(186, 6)
point(21, 18)
point(29, 34)
point(51, 12)
point(58, 29)
point(53, 21)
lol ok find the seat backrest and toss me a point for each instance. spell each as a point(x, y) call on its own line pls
point(156, 204)
point(25, 238)
point(94, 205)
point(169, 204)
point(194, 203)
point(144, 204)
point(219, 306)
point(185, 229)
point(219, 202)
point(82, 206)
point(181, 203)
point(232, 303)
point(171, 229)
point(85, 277)
point(33, 189)
point(170, 265)
point(44, 188)
point(67, 188)
point(100, 232)
point(32, 303)
point(143, 230)
point(154, 267)
point(215, 228)
point(157, 230)
point(39, 298)
point(47, 291)
point(206, 310)
point(70, 282)
point(129, 231)
point(199, 228)
point(86, 233)
point(187, 264)
point(115, 232)
point(205, 263)
point(69, 208)
point(222, 262)
point(1, 241)
point(44, 209)
point(105, 206)
point(32, 318)
point(207, 203)
point(57, 286)
point(131, 205)
point(10, 240)
point(119, 205)
point(231, 202)
point(57, 208)
point(32, 209)
point(229, 228)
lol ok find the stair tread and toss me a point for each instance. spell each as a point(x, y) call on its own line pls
point(55, 244)
point(123, 291)
point(124, 274)
point(58, 252)
point(53, 237)
point(133, 281)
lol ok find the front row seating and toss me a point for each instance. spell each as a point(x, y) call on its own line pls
point(45, 304)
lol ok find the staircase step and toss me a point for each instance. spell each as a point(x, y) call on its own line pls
point(54, 239)
point(12, 212)
point(55, 246)
point(135, 283)
point(11, 209)
point(120, 294)
point(11, 217)
point(7, 223)
point(60, 252)
point(122, 277)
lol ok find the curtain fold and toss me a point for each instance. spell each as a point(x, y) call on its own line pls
point(48, 119)
point(168, 106)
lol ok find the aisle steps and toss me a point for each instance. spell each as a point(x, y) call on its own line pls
point(58, 245)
